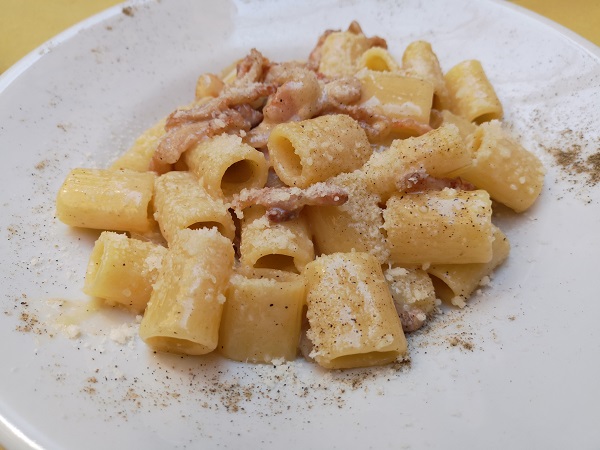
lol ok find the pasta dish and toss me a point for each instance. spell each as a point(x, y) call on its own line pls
point(325, 207)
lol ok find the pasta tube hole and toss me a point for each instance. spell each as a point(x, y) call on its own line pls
point(476, 141)
point(276, 261)
point(442, 290)
point(378, 64)
point(237, 176)
point(486, 117)
point(208, 226)
point(150, 210)
point(287, 156)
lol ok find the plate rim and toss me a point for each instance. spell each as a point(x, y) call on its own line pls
point(19, 67)
point(586, 44)
point(12, 436)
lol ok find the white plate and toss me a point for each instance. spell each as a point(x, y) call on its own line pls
point(525, 370)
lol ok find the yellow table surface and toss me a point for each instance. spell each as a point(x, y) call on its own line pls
point(26, 24)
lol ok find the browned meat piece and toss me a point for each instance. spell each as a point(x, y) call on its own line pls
point(377, 126)
point(301, 95)
point(374, 41)
point(411, 319)
point(231, 112)
point(285, 203)
point(179, 139)
point(228, 99)
point(297, 98)
point(314, 59)
point(251, 69)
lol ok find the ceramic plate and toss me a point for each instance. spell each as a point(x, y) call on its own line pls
point(518, 368)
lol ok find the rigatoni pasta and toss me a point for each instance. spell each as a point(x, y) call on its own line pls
point(331, 205)
point(180, 201)
point(283, 246)
point(303, 153)
point(225, 165)
point(262, 315)
point(184, 311)
point(471, 95)
point(103, 199)
point(421, 62)
point(448, 226)
point(123, 270)
point(378, 59)
point(396, 96)
point(139, 156)
point(357, 225)
point(353, 322)
point(437, 153)
point(341, 51)
point(456, 282)
point(512, 175)
point(465, 127)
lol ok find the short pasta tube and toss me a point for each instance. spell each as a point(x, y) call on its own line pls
point(511, 174)
point(105, 199)
point(396, 96)
point(341, 52)
point(122, 270)
point(185, 308)
point(352, 318)
point(471, 94)
point(282, 246)
point(262, 316)
point(303, 153)
point(225, 165)
point(180, 201)
point(465, 127)
point(454, 283)
point(208, 85)
point(448, 226)
point(421, 62)
point(438, 153)
point(355, 225)
point(378, 59)
point(139, 156)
